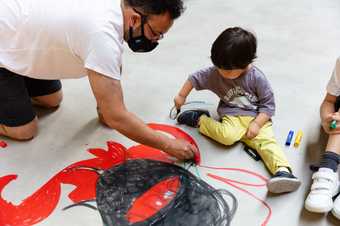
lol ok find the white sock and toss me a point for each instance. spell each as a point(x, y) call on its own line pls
point(282, 169)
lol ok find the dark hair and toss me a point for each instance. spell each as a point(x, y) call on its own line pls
point(235, 48)
point(157, 7)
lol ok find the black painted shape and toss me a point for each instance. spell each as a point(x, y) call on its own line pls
point(196, 202)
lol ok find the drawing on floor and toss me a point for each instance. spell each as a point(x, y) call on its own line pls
point(152, 178)
point(147, 192)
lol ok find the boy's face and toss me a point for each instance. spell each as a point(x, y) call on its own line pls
point(232, 74)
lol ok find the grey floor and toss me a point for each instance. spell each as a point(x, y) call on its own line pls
point(298, 45)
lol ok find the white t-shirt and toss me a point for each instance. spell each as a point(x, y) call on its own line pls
point(55, 39)
point(333, 86)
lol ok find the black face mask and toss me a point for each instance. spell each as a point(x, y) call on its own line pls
point(140, 44)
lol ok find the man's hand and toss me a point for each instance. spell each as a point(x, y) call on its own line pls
point(181, 149)
point(179, 101)
point(253, 130)
point(327, 121)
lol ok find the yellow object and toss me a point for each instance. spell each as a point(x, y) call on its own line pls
point(234, 128)
point(298, 139)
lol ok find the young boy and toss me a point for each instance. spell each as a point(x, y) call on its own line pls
point(326, 180)
point(246, 104)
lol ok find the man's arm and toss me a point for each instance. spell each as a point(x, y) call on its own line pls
point(109, 96)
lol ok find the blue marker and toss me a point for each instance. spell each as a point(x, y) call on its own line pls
point(289, 137)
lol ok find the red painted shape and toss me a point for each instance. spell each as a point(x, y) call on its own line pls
point(3, 144)
point(146, 152)
point(155, 199)
point(42, 203)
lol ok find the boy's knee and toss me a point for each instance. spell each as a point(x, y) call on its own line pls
point(22, 133)
point(229, 137)
point(222, 137)
point(229, 141)
point(220, 134)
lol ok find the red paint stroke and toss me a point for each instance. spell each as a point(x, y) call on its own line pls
point(155, 199)
point(42, 203)
point(3, 144)
point(236, 184)
point(245, 171)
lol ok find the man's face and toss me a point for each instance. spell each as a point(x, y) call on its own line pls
point(155, 26)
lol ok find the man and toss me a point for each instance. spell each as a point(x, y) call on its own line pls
point(42, 41)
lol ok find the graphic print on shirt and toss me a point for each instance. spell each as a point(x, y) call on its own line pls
point(238, 97)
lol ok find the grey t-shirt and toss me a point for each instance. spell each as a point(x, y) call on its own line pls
point(246, 95)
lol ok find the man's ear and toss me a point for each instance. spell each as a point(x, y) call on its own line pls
point(135, 20)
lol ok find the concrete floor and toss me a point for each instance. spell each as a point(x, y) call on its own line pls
point(298, 45)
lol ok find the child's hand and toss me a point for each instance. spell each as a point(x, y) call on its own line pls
point(253, 130)
point(327, 121)
point(179, 101)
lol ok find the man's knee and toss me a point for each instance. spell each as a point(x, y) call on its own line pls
point(49, 101)
point(24, 132)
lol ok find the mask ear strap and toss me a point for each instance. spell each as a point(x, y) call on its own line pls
point(143, 23)
point(130, 32)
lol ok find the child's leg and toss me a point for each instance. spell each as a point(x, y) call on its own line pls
point(227, 132)
point(331, 158)
point(268, 148)
point(326, 180)
point(275, 160)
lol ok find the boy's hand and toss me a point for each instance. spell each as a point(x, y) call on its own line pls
point(253, 130)
point(179, 101)
point(327, 121)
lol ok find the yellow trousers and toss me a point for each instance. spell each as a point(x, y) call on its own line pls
point(233, 129)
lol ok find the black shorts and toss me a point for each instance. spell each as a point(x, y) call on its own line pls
point(15, 96)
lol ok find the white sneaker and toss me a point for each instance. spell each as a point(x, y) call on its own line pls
point(336, 208)
point(325, 186)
